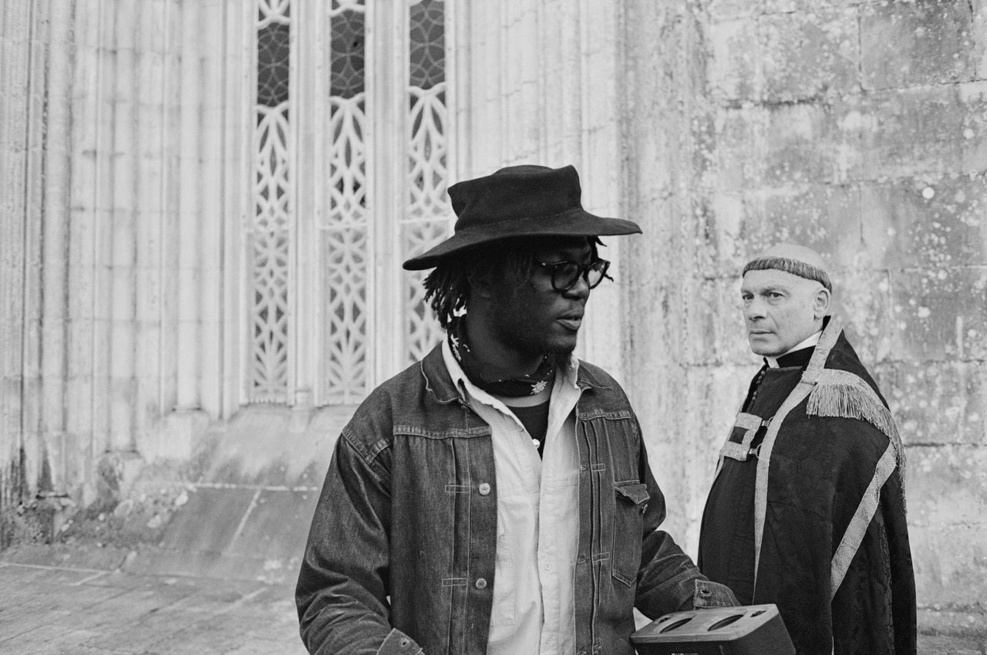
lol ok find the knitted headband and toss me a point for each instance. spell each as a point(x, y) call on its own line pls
point(793, 266)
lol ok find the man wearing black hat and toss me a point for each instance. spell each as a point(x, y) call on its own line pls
point(496, 497)
point(807, 509)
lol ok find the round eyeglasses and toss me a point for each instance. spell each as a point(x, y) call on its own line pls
point(566, 273)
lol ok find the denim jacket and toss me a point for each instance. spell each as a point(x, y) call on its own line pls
point(400, 556)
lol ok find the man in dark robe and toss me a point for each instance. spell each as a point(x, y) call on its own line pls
point(807, 509)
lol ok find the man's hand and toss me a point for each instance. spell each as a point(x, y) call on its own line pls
point(712, 594)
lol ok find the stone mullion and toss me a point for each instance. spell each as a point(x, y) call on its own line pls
point(224, 174)
point(37, 473)
point(170, 355)
point(14, 56)
point(238, 116)
point(150, 206)
point(123, 259)
point(299, 369)
point(54, 221)
point(188, 377)
point(103, 204)
point(310, 95)
point(89, 162)
point(387, 107)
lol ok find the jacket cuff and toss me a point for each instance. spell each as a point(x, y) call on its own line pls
point(398, 643)
point(712, 594)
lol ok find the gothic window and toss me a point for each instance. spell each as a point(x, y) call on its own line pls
point(355, 335)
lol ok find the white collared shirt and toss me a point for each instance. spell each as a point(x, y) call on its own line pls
point(534, 607)
point(811, 341)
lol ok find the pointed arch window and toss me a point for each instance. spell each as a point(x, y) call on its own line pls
point(347, 183)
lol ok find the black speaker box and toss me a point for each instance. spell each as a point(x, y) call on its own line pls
point(747, 630)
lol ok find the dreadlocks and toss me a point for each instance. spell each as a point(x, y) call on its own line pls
point(447, 287)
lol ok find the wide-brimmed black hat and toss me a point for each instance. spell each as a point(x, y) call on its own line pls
point(517, 202)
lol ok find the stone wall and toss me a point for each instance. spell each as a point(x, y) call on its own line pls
point(111, 284)
point(859, 129)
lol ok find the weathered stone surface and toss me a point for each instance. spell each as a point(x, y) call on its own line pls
point(973, 97)
point(209, 521)
point(276, 446)
point(277, 529)
point(937, 402)
point(908, 132)
point(722, 10)
point(739, 159)
point(951, 645)
point(947, 488)
point(803, 6)
point(715, 325)
point(734, 67)
point(724, 233)
point(822, 216)
point(913, 43)
point(940, 314)
point(949, 564)
point(862, 299)
point(51, 611)
point(953, 629)
point(809, 54)
point(926, 222)
point(804, 145)
point(947, 500)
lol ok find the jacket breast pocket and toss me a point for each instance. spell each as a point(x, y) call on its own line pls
point(631, 500)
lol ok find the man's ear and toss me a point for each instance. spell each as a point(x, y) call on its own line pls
point(820, 303)
point(481, 283)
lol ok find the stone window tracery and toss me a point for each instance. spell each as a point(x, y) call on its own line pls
point(358, 223)
point(427, 219)
point(270, 232)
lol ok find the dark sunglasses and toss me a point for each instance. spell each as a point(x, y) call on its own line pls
point(566, 274)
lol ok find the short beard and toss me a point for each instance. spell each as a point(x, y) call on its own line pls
point(559, 357)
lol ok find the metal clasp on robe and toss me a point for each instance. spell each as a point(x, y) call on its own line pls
point(742, 451)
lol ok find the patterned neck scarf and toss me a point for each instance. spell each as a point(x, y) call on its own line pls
point(527, 385)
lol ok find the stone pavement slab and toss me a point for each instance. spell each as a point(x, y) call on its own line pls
point(54, 610)
point(47, 610)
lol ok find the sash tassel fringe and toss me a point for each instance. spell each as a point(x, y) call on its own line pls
point(849, 397)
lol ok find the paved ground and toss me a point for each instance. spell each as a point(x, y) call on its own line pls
point(47, 610)
point(54, 610)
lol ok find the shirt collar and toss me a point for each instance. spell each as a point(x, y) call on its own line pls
point(811, 342)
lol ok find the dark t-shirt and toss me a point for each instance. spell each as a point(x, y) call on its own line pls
point(535, 421)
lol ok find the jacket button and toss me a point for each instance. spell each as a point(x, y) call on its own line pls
point(484, 489)
point(481, 583)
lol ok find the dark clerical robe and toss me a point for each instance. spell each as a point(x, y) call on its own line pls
point(807, 509)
